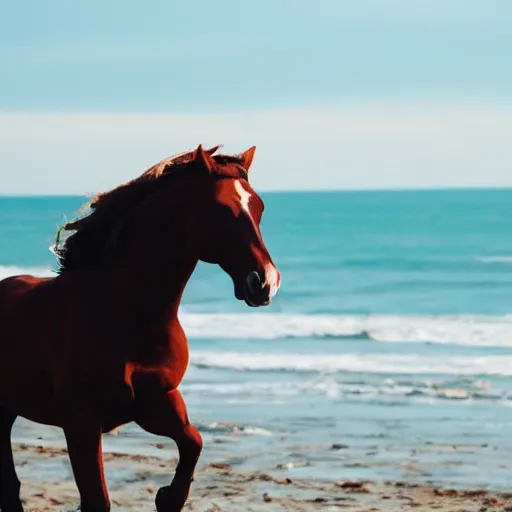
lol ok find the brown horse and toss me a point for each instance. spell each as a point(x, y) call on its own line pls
point(100, 344)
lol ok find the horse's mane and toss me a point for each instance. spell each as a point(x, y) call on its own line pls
point(96, 236)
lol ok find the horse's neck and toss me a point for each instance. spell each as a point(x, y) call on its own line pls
point(149, 292)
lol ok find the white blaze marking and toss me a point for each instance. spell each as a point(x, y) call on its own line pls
point(244, 197)
point(272, 279)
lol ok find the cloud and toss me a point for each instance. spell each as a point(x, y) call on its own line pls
point(367, 145)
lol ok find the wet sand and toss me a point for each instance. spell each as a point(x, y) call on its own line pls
point(47, 484)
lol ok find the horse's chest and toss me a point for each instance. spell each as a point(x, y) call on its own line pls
point(165, 354)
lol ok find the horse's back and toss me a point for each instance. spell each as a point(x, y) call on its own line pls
point(16, 293)
point(20, 283)
point(25, 303)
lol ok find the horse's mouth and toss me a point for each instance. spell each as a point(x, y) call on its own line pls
point(252, 304)
point(256, 292)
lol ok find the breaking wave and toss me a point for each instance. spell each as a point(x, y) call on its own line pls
point(458, 330)
point(354, 363)
point(334, 386)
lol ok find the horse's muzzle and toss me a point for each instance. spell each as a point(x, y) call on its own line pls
point(257, 292)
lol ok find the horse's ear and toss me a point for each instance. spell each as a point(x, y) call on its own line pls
point(213, 150)
point(203, 159)
point(247, 158)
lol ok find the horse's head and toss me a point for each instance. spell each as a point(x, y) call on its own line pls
point(224, 225)
point(196, 204)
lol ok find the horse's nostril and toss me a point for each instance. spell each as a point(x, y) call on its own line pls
point(254, 282)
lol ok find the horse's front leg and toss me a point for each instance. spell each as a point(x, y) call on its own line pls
point(9, 483)
point(83, 436)
point(167, 416)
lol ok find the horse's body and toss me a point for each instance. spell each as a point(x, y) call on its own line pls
point(100, 345)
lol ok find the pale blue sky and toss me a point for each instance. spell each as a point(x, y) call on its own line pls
point(314, 69)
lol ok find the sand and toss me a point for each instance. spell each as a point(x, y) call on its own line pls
point(47, 484)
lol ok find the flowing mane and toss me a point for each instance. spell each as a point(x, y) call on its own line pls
point(97, 236)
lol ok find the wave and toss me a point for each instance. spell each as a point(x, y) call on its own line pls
point(382, 364)
point(506, 260)
point(13, 270)
point(221, 427)
point(472, 330)
point(330, 386)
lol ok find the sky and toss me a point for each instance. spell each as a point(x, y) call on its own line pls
point(335, 94)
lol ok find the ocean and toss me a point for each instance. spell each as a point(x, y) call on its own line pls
point(387, 353)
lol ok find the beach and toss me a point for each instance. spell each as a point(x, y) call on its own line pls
point(219, 487)
point(134, 478)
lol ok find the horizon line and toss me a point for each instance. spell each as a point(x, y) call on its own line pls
point(469, 188)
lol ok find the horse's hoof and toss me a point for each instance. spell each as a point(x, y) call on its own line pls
point(167, 501)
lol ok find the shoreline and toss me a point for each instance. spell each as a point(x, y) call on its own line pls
point(47, 484)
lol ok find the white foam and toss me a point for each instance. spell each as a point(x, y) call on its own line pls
point(335, 386)
point(458, 330)
point(238, 429)
point(507, 260)
point(354, 363)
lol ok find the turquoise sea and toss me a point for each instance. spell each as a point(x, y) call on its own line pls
point(387, 353)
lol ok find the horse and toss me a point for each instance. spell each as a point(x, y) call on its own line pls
point(99, 344)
